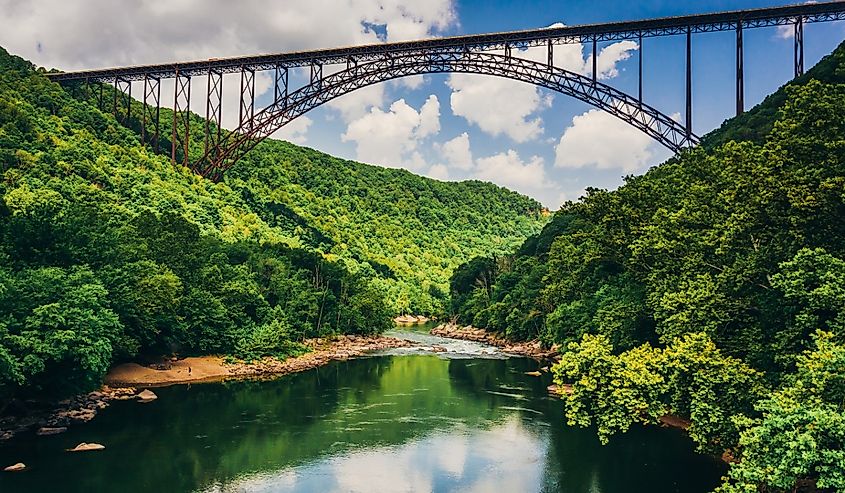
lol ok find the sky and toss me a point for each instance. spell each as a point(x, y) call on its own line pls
point(449, 127)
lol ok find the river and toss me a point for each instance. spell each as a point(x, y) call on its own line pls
point(469, 419)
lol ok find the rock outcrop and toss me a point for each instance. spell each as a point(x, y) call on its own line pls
point(86, 447)
point(79, 409)
point(531, 349)
point(20, 466)
point(146, 395)
point(46, 430)
point(323, 351)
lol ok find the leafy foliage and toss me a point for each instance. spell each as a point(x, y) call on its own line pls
point(109, 252)
point(696, 289)
point(798, 440)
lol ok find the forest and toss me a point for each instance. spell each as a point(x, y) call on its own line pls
point(710, 288)
point(110, 253)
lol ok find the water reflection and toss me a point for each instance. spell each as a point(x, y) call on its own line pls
point(387, 423)
point(506, 457)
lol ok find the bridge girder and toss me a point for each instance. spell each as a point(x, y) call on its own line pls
point(283, 110)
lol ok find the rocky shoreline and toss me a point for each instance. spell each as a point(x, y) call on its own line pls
point(123, 381)
point(323, 351)
point(531, 349)
point(55, 419)
point(411, 319)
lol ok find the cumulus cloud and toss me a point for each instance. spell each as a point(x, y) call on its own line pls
point(785, 31)
point(356, 104)
point(597, 138)
point(498, 106)
point(438, 172)
point(457, 153)
point(505, 168)
point(508, 169)
point(67, 36)
point(572, 57)
point(390, 138)
point(296, 131)
point(506, 107)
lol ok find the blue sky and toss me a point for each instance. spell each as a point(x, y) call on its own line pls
point(450, 127)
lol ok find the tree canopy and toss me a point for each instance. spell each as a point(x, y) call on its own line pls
point(698, 289)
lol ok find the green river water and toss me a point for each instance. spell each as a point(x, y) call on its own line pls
point(403, 420)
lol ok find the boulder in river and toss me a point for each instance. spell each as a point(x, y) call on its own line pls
point(85, 447)
point(533, 373)
point(20, 466)
point(47, 430)
point(147, 395)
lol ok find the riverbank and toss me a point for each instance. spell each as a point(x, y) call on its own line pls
point(124, 382)
point(411, 320)
point(530, 349)
point(216, 368)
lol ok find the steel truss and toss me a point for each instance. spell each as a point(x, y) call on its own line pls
point(122, 98)
point(370, 64)
point(181, 131)
point(630, 109)
point(214, 112)
point(152, 111)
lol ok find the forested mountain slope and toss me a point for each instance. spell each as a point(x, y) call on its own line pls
point(107, 251)
point(407, 231)
point(712, 287)
point(415, 231)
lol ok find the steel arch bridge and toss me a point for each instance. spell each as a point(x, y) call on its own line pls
point(287, 107)
point(485, 54)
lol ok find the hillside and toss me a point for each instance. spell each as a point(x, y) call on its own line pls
point(413, 230)
point(108, 252)
point(409, 232)
point(712, 287)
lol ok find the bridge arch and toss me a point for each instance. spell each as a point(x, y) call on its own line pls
point(287, 107)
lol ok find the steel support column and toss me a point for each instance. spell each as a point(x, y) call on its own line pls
point(507, 50)
point(213, 112)
point(247, 109)
point(551, 56)
point(87, 90)
point(122, 91)
point(316, 79)
point(281, 83)
point(740, 71)
point(181, 135)
point(799, 46)
point(152, 110)
point(640, 86)
point(595, 60)
point(689, 83)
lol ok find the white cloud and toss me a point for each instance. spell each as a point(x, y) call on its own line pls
point(506, 107)
point(785, 31)
point(390, 138)
point(508, 169)
point(456, 152)
point(609, 57)
point(356, 104)
point(597, 138)
point(67, 36)
point(438, 172)
point(296, 131)
point(498, 106)
point(161, 31)
point(410, 82)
